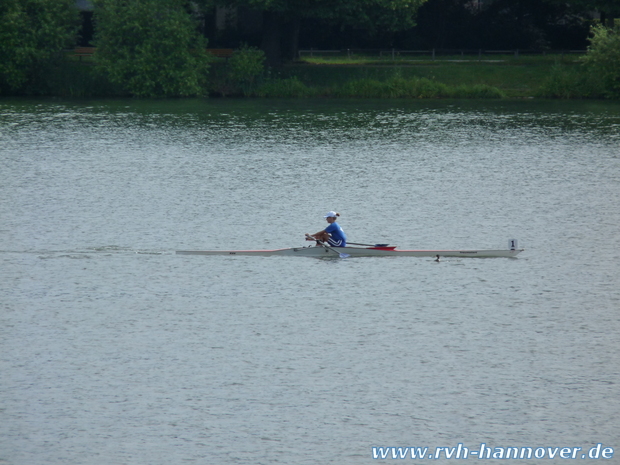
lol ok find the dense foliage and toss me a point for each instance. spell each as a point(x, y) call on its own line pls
point(463, 24)
point(571, 82)
point(33, 34)
point(245, 66)
point(597, 77)
point(240, 74)
point(608, 9)
point(395, 86)
point(150, 47)
point(604, 57)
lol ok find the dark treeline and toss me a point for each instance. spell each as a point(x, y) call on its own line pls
point(439, 24)
point(454, 24)
point(151, 48)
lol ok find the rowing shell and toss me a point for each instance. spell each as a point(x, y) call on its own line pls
point(319, 251)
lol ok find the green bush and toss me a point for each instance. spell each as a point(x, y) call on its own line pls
point(361, 88)
point(79, 80)
point(399, 87)
point(33, 34)
point(477, 91)
point(425, 88)
point(603, 57)
point(285, 88)
point(151, 47)
point(570, 82)
point(239, 75)
point(245, 66)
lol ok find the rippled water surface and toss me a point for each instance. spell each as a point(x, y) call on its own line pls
point(114, 350)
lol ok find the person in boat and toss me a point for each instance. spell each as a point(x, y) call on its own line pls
point(333, 234)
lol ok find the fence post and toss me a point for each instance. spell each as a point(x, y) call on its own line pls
point(433, 54)
point(393, 58)
point(479, 54)
point(517, 53)
point(349, 53)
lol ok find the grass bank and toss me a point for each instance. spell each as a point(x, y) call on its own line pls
point(395, 85)
point(507, 76)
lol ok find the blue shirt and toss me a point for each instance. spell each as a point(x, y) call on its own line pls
point(338, 237)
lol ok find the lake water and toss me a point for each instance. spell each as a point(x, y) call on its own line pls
point(115, 350)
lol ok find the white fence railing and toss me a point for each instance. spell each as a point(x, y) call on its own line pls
point(434, 54)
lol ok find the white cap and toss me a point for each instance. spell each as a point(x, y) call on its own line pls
point(331, 215)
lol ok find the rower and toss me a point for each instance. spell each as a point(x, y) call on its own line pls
point(332, 235)
point(437, 259)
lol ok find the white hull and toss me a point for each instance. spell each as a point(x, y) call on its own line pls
point(316, 251)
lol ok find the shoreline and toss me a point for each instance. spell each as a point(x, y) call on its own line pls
point(507, 78)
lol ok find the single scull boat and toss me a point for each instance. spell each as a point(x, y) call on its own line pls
point(376, 251)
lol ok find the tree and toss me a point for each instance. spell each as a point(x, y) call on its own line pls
point(608, 9)
point(282, 19)
point(151, 47)
point(445, 24)
point(525, 24)
point(497, 24)
point(604, 57)
point(32, 35)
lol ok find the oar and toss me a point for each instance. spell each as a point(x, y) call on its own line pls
point(340, 254)
point(354, 243)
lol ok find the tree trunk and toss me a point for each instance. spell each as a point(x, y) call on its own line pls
point(607, 19)
point(290, 39)
point(272, 36)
